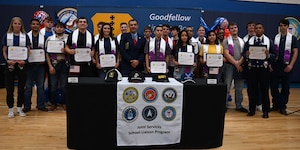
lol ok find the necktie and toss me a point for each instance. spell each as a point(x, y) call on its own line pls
point(258, 41)
point(134, 41)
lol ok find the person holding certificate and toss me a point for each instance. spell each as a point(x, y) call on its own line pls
point(81, 46)
point(211, 56)
point(286, 48)
point(157, 52)
point(36, 68)
point(184, 57)
point(106, 51)
point(233, 47)
point(250, 32)
point(259, 53)
point(58, 62)
point(16, 46)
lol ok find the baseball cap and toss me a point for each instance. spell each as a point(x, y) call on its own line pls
point(136, 76)
point(187, 77)
point(113, 75)
point(160, 77)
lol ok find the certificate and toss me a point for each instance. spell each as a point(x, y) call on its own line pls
point(55, 46)
point(186, 58)
point(17, 53)
point(158, 67)
point(214, 60)
point(82, 55)
point(107, 60)
point(36, 55)
point(257, 52)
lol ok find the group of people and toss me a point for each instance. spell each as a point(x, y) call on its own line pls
point(83, 54)
point(261, 71)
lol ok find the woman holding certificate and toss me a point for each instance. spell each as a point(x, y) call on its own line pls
point(184, 57)
point(16, 45)
point(211, 56)
point(107, 56)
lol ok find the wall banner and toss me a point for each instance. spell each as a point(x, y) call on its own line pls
point(145, 16)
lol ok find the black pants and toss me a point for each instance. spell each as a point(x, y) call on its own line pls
point(2, 76)
point(10, 77)
point(258, 78)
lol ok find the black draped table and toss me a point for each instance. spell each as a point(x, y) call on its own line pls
point(92, 111)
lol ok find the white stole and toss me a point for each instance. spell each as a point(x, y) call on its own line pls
point(205, 48)
point(230, 42)
point(10, 39)
point(88, 38)
point(170, 42)
point(288, 41)
point(112, 45)
point(265, 40)
point(189, 48)
point(119, 38)
point(162, 46)
point(40, 40)
point(96, 37)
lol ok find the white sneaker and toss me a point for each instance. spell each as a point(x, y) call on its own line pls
point(259, 108)
point(20, 111)
point(11, 113)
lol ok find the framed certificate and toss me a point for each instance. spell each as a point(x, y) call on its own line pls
point(55, 46)
point(17, 53)
point(36, 55)
point(107, 60)
point(214, 60)
point(82, 55)
point(186, 58)
point(158, 67)
point(257, 52)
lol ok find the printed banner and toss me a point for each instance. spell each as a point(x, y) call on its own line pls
point(149, 113)
point(152, 17)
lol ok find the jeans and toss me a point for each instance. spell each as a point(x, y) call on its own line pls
point(60, 78)
point(35, 75)
point(238, 85)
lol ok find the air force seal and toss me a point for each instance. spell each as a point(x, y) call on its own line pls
point(130, 114)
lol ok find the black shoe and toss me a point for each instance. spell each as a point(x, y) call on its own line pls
point(242, 109)
point(27, 109)
point(250, 114)
point(283, 111)
point(265, 115)
point(274, 108)
point(43, 109)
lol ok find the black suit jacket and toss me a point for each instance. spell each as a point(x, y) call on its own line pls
point(129, 52)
